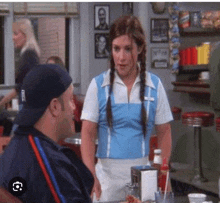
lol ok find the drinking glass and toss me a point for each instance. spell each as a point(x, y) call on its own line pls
point(164, 198)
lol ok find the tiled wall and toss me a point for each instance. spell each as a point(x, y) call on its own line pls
point(51, 36)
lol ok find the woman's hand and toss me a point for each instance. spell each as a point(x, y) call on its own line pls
point(96, 189)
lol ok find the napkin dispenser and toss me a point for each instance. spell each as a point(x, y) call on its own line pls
point(145, 179)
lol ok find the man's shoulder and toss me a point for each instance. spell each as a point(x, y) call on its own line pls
point(16, 151)
point(16, 161)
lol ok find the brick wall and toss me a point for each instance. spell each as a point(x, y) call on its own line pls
point(51, 37)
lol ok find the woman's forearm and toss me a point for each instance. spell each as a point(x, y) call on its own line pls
point(164, 140)
point(88, 146)
point(8, 97)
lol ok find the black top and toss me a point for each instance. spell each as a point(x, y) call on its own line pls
point(26, 62)
point(71, 179)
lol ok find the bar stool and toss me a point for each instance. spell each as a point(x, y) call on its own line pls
point(176, 113)
point(198, 120)
point(217, 121)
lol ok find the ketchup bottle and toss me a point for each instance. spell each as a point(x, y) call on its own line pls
point(157, 163)
point(163, 175)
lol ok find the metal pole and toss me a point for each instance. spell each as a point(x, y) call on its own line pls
point(198, 174)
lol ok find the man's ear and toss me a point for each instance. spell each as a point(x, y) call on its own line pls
point(54, 107)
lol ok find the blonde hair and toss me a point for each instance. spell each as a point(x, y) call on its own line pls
point(24, 25)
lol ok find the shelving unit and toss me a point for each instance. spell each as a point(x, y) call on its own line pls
point(194, 86)
point(194, 31)
point(192, 68)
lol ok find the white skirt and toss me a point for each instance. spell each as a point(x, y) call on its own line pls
point(113, 175)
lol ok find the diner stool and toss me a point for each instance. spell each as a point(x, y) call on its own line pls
point(176, 111)
point(198, 120)
point(217, 122)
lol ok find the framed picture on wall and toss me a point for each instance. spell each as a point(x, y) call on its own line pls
point(159, 57)
point(127, 8)
point(101, 45)
point(102, 17)
point(159, 30)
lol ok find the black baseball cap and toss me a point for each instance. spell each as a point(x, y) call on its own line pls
point(42, 83)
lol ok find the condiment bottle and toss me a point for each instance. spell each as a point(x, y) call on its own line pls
point(157, 161)
point(163, 175)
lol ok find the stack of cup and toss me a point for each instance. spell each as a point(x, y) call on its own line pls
point(197, 197)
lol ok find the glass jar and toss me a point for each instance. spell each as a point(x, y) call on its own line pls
point(131, 192)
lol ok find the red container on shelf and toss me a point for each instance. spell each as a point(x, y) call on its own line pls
point(188, 56)
point(183, 57)
point(193, 56)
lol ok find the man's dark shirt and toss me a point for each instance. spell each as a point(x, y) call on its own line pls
point(73, 179)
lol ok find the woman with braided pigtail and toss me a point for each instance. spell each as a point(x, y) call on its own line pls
point(121, 107)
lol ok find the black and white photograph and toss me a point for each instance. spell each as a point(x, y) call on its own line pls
point(159, 30)
point(127, 8)
point(159, 57)
point(101, 17)
point(101, 45)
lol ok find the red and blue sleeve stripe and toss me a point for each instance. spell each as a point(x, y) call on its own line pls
point(46, 169)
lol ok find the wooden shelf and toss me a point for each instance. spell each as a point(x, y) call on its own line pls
point(196, 87)
point(189, 68)
point(194, 31)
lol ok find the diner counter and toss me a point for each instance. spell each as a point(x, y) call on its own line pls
point(182, 173)
point(177, 199)
point(76, 139)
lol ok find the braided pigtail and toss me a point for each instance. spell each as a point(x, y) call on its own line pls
point(142, 59)
point(109, 106)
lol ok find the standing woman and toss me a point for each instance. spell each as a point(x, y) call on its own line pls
point(24, 40)
point(122, 106)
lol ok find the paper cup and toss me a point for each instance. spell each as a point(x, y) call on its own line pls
point(204, 75)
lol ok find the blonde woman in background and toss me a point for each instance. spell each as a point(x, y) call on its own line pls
point(25, 41)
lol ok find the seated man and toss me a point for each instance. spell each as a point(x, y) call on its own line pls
point(33, 166)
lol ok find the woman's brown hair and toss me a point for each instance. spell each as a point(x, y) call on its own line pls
point(131, 26)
